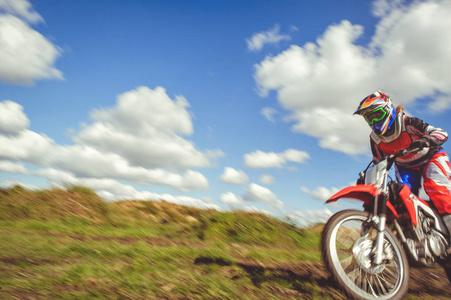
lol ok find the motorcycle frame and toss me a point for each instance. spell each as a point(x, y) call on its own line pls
point(376, 195)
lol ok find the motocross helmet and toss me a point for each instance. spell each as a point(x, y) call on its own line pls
point(378, 111)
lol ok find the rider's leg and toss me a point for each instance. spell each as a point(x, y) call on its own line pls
point(411, 178)
point(437, 184)
point(447, 220)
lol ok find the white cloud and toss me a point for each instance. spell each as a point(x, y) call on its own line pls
point(260, 159)
point(12, 118)
point(89, 162)
point(26, 146)
point(268, 113)
point(381, 8)
point(272, 36)
point(267, 179)
point(295, 156)
point(147, 127)
point(8, 166)
point(322, 83)
point(334, 129)
point(309, 217)
point(253, 193)
point(258, 193)
point(10, 184)
point(321, 193)
point(82, 161)
point(144, 112)
point(21, 9)
point(231, 199)
point(233, 176)
point(110, 189)
point(119, 152)
point(26, 55)
point(253, 209)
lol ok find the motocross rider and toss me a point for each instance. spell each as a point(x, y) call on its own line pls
point(393, 131)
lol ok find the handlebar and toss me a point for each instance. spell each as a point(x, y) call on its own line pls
point(393, 157)
point(391, 160)
point(406, 152)
point(413, 150)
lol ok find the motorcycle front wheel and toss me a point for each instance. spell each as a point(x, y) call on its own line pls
point(347, 249)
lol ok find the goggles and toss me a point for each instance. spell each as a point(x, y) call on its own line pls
point(375, 116)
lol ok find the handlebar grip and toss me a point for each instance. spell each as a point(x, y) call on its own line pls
point(425, 144)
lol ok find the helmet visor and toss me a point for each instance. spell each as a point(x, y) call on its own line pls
point(375, 116)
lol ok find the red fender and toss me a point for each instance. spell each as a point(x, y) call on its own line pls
point(363, 192)
point(408, 198)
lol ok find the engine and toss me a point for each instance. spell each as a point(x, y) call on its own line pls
point(426, 244)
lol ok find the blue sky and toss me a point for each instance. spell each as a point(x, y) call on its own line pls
point(222, 104)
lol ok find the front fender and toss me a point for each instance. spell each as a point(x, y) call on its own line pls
point(363, 192)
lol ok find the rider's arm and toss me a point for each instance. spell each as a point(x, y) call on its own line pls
point(435, 136)
point(377, 152)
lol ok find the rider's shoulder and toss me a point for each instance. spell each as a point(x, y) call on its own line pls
point(415, 122)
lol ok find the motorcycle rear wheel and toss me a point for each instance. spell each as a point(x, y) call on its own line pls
point(347, 242)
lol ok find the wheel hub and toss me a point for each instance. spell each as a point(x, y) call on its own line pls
point(362, 251)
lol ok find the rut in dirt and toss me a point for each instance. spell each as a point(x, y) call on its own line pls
point(424, 282)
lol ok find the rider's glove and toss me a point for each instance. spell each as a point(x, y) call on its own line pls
point(361, 179)
point(420, 144)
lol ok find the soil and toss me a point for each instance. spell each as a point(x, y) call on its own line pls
point(425, 283)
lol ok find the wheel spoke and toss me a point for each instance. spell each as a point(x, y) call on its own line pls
point(370, 285)
point(351, 254)
point(381, 284)
point(365, 283)
point(355, 274)
point(389, 272)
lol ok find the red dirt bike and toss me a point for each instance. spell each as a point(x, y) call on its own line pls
point(365, 251)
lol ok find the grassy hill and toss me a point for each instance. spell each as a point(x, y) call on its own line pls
point(80, 210)
point(70, 244)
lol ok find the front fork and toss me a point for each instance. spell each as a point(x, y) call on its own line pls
point(379, 247)
point(379, 218)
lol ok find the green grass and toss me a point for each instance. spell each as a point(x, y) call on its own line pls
point(28, 260)
point(69, 244)
point(51, 266)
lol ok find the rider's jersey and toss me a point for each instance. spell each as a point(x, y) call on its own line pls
point(408, 130)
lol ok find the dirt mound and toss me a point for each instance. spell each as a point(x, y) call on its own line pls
point(75, 202)
point(159, 211)
point(18, 203)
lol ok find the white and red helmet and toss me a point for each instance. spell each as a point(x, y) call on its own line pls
point(379, 112)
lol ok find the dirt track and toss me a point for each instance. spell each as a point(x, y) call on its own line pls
point(432, 282)
point(425, 283)
point(303, 277)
